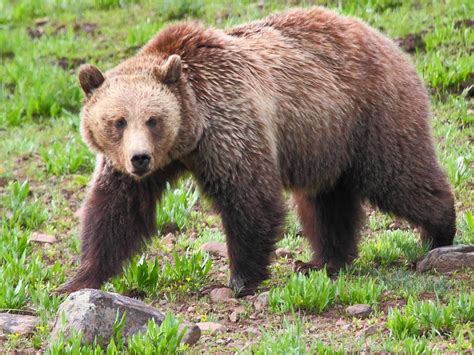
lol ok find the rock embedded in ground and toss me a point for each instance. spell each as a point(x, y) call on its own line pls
point(223, 294)
point(18, 323)
point(447, 259)
point(283, 253)
point(39, 237)
point(359, 310)
point(261, 301)
point(215, 249)
point(372, 329)
point(93, 313)
point(237, 312)
point(169, 240)
point(211, 327)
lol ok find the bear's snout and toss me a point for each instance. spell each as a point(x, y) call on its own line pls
point(140, 163)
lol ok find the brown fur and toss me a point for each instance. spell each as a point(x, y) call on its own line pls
point(305, 100)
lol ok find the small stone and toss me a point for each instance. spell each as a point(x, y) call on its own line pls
point(223, 294)
point(448, 259)
point(39, 237)
point(168, 228)
point(261, 302)
point(215, 249)
point(93, 312)
point(18, 323)
point(346, 326)
point(235, 315)
point(283, 253)
point(169, 240)
point(211, 327)
point(369, 330)
point(359, 310)
point(343, 324)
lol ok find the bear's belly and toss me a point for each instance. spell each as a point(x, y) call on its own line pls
point(313, 164)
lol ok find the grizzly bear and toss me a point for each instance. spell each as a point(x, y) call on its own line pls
point(305, 100)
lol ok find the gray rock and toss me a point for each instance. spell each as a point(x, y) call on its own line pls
point(93, 313)
point(215, 248)
point(283, 253)
point(261, 302)
point(359, 310)
point(223, 294)
point(372, 329)
point(211, 327)
point(18, 323)
point(169, 240)
point(236, 314)
point(39, 237)
point(448, 259)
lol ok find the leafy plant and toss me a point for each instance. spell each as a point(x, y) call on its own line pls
point(360, 290)
point(288, 340)
point(189, 271)
point(402, 324)
point(163, 339)
point(70, 158)
point(391, 247)
point(18, 210)
point(313, 292)
point(186, 273)
point(429, 317)
point(176, 204)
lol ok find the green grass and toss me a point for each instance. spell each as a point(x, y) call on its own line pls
point(430, 318)
point(290, 340)
point(358, 290)
point(391, 247)
point(46, 167)
point(185, 273)
point(314, 292)
point(176, 205)
point(163, 339)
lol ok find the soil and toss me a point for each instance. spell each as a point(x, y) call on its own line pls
point(412, 42)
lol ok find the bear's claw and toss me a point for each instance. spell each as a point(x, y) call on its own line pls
point(314, 265)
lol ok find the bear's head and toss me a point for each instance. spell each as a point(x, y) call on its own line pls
point(133, 114)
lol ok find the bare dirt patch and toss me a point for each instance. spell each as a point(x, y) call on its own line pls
point(87, 27)
point(467, 84)
point(70, 63)
point(467, 22)
point(412, 42)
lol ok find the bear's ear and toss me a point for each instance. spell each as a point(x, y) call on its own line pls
point(90, 78)
point(171, 70)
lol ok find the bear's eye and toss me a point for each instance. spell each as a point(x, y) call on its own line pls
point(152, 121)
point(120, 123)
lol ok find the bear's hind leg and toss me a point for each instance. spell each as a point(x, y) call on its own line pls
point(425, 200)
point(331, 221)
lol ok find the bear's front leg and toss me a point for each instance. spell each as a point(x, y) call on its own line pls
point(117, 216)
point(252, 211)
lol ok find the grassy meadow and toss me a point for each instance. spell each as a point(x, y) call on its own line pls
point(45, 168)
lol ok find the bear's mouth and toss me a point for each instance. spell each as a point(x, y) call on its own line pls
point(140, 172)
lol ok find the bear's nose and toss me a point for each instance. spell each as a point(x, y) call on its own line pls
point(141, 161)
